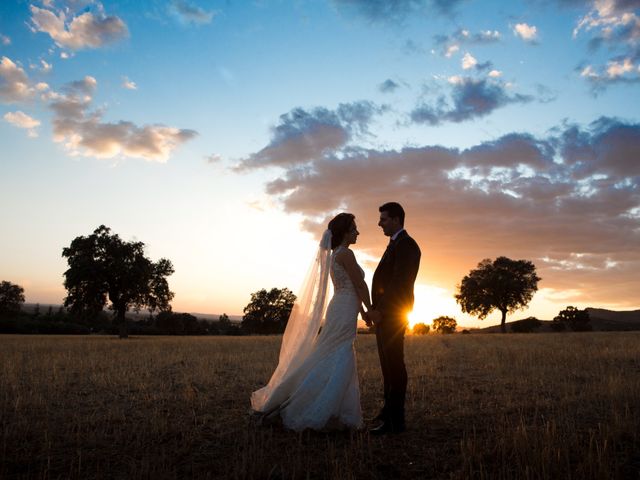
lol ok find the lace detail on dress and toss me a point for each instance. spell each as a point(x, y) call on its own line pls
point(340, 278)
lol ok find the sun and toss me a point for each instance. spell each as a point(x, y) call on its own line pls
point(431, 302)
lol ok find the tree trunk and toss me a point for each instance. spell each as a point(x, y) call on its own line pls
point(503, 326)
point(122, 323)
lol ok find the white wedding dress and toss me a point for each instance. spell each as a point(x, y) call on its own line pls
point(322, 391)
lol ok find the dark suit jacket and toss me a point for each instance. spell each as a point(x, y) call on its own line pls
point(392, 289)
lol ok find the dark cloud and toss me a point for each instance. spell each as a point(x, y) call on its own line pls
point(388, 86)
point(610, 147)
point(482, 67)
point(470, 98)
point(512, 150)
point(518, 196)
point(449, 44)
point(189, 13)
point(379, 11)
point(623, 6)
point(302, 135)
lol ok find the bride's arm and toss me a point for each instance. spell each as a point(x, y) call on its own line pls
point(347, 259)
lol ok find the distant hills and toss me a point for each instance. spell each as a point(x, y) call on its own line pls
point(30, 308)
point(602, 320)
point(609, 320)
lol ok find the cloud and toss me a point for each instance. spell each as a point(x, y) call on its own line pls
point(191, 14)
point(609, 148)
point(302, 135)
point(468, 61)
point(5, 40)
point(570, 202)
point(82, 131)
point(128, 84)
point(495, 74)
point(451, 50)
point(45, 67)
point(451, 44)
point(617, 70)
point(22, 120)
point(470, 98)
point(14, 83)
point(385, 11)
point(213, 158)
point(86, 30)
point(616, 24)
point(388, 86)
point(528, 33)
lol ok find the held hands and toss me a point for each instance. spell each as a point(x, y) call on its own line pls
point(373, 317)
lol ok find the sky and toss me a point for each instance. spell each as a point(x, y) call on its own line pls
point(225, 135)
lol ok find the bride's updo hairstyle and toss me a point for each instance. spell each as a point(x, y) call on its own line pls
point(339, 226)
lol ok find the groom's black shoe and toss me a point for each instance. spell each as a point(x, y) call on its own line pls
point(388, 427)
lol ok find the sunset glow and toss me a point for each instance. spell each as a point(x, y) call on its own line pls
point(225, 135)
point(430, 303)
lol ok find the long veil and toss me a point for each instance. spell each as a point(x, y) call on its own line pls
point(302, 326)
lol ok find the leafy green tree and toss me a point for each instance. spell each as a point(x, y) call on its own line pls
point(11, 297)
point(504, 284)
point(420, 329)
point(574, 318)
point(444, 324)
point(268, 311)
point(103, 267)
point(526, 325)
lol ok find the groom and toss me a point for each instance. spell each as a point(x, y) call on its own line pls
point(392, 295)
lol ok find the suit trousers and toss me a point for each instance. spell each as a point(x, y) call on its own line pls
point(390, 338)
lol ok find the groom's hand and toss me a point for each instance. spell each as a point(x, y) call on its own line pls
point(374, 316)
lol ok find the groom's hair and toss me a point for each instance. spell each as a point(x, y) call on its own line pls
point(394, 210)
point(339, 226)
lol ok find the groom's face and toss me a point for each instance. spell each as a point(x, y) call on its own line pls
point(390, 225)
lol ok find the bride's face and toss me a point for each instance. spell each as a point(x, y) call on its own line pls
point(352, 235)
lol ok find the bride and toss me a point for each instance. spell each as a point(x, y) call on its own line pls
point(315, 384)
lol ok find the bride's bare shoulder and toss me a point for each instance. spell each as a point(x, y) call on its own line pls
point(345, 255)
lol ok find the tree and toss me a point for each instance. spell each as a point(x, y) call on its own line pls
point(11, 297)
point(527, 325)
point(504, 284)
point(420, 329)
point(103, 267)
point(268, 311)
point(444, 324)
point(224, 321)
point(170, 323)
point(574, 318)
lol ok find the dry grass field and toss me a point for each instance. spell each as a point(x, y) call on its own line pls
point(479, 406)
